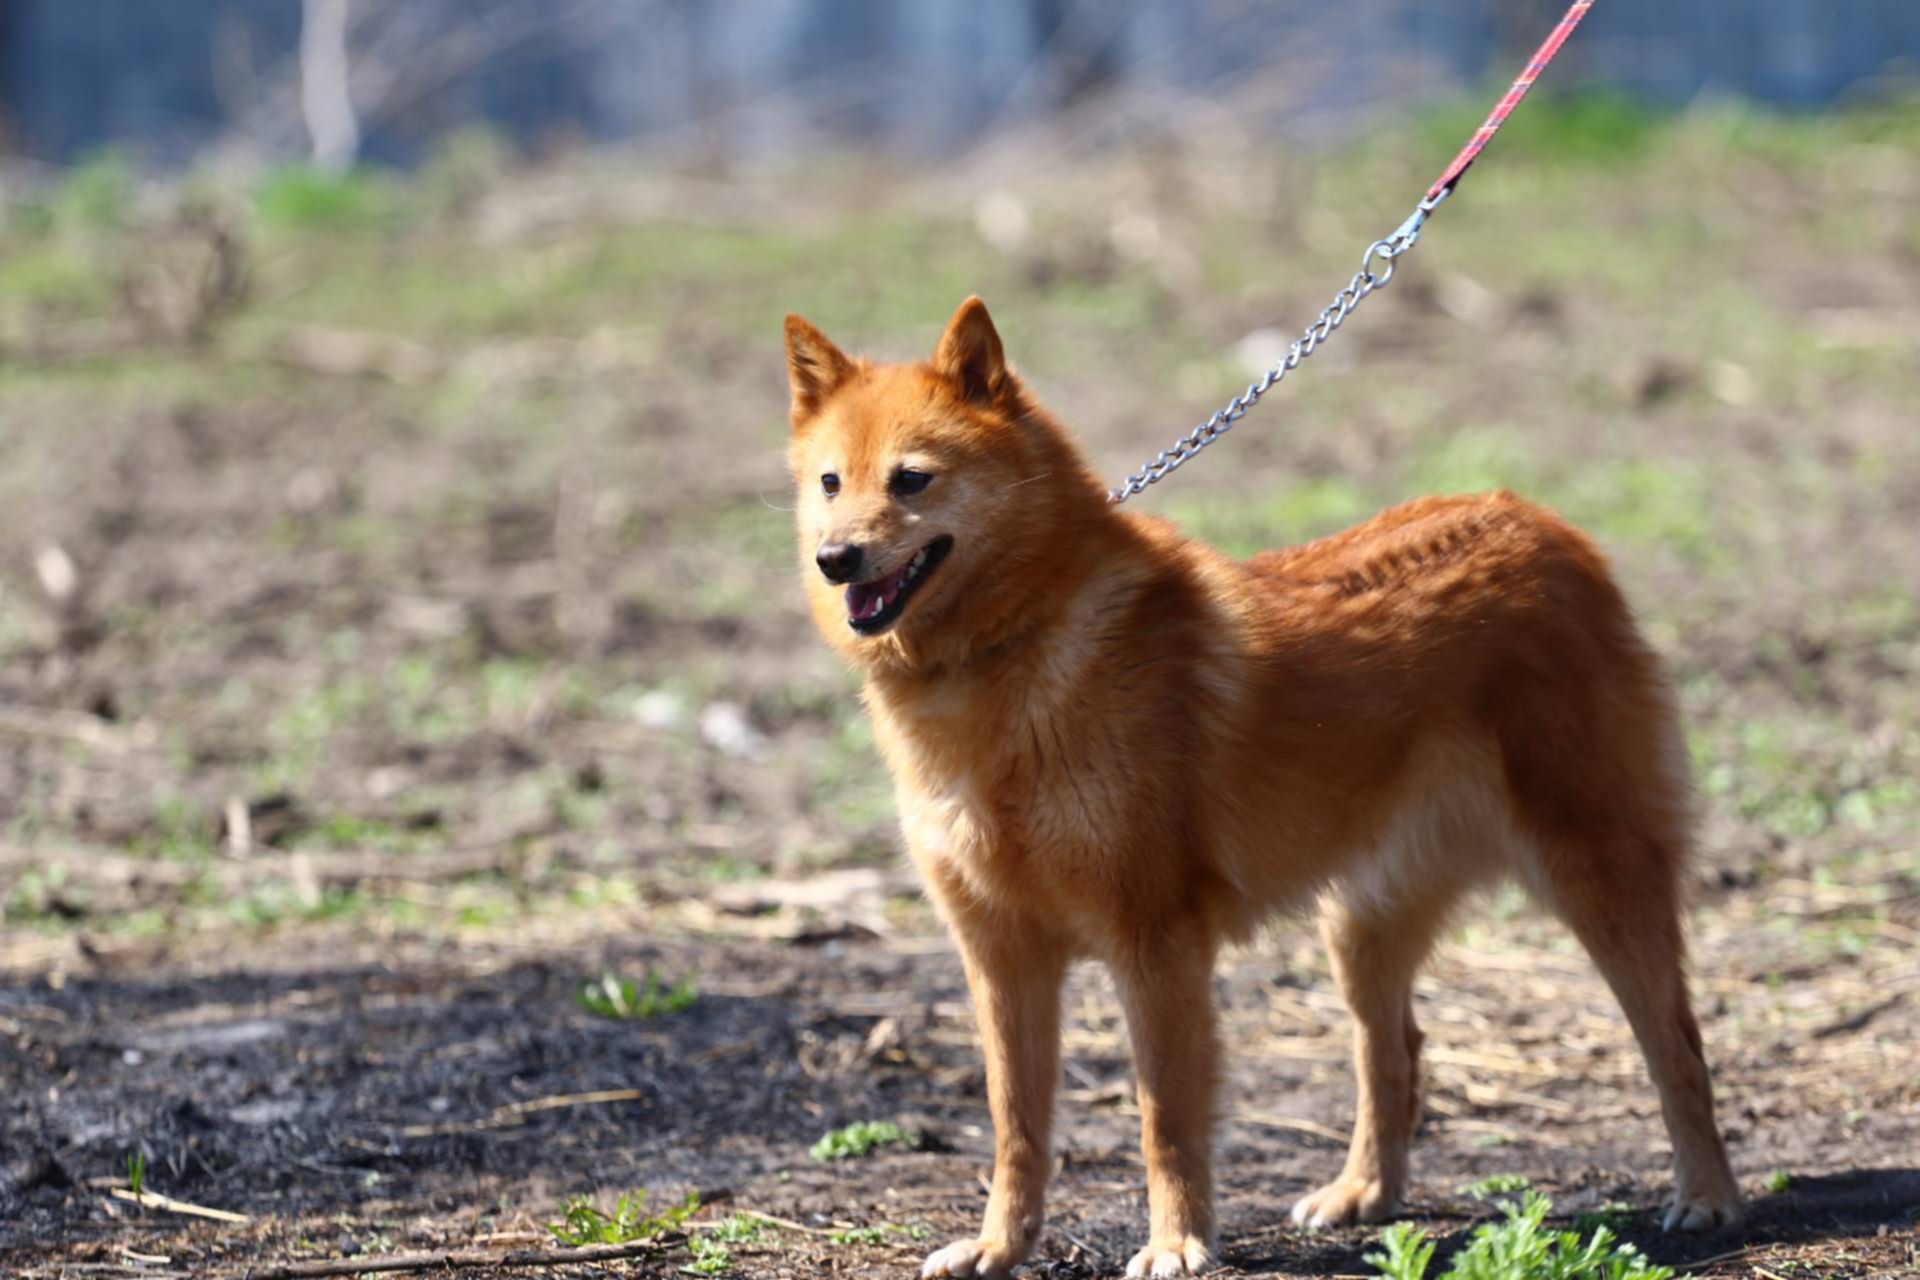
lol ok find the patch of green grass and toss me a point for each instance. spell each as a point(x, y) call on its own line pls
point(1519, 1248)
point(350, 831)
point(137, 1172)
point(612, 996)
point(1872, 806)
point(1296, 512)
point(859, 1139)
point(95, 196)
point(1654, 502)
point(1495, 1185)
point(299, 198)
point(1778, 1182)
point(1586, 129)
point(720, 868)
point(589, 893)
point(583, 1223)
point(738, 1229)
point(41, 897)
point(462, 168)
point(710, 1256)
point(278, 902)
point(179, 830)
point(1612, 1215)
point(1475, 460)
point(879, 1234)
point(747, 551)
point(845, 777)
point(54, 277)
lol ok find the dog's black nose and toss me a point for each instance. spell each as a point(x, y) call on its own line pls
point(840, 561)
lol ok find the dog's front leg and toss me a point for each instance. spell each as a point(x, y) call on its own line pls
point(1014, 973)
point(1166, 985)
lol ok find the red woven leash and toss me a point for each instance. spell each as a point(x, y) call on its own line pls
point(1504, 108)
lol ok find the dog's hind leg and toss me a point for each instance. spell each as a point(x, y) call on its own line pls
point(1376, 948)
point(1596, 773)
point(1623, 905)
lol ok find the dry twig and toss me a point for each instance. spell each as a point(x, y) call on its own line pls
point(154, 1200)
point(514, 1113)
point(458, 1258)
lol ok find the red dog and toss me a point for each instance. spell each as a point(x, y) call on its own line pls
point(1110, 741)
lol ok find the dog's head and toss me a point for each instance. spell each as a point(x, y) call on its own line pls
point(921, 488)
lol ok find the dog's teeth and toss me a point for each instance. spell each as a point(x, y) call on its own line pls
point(921, 558)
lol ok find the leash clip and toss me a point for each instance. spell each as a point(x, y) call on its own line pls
point(1407, 234)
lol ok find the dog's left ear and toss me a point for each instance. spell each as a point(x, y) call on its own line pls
point(969, 353)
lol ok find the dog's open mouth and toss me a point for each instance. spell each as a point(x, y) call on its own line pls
point(873, 606)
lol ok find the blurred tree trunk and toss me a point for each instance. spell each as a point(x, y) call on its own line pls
point(326, 99)
point(7, 104)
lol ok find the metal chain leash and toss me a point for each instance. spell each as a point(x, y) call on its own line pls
point(1364, 281)
point(1367, 279)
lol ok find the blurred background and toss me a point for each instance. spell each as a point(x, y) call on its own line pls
point(399, 621)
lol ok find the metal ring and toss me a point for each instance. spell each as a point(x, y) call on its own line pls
point(1366, 263)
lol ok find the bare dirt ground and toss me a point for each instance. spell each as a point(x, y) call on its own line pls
point(416, 639)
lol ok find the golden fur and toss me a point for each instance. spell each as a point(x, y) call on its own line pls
point(1109, 741)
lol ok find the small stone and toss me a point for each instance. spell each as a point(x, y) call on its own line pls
point(658, 709)
point(725, 727)
point(1002, 220)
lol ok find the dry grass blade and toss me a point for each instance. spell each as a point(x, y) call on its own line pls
point(1267, 1121)
point(77, 727)
point(785, 1224)
point(154, 1200)
point(512, 1114)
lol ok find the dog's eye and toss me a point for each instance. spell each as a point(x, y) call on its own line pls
point(906, 482)
point(829, 484)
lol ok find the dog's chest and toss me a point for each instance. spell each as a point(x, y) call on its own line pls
point(1005, 806)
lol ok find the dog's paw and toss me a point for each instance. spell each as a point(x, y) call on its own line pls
point(985, 1259)
point(1705, 1212)
point(1345, 1201)
point(1172, 1256)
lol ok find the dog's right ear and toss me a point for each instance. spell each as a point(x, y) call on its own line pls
point(815, 367)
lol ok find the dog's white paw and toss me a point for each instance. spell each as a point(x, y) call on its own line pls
point(1345, 1201)
point(1172, 1256)
point(1708, 1212)
point(985, 1259)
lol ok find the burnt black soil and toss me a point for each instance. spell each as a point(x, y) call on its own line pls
point(368, 1101)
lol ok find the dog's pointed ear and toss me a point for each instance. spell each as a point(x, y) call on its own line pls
point(815, 367)
point(969, 353)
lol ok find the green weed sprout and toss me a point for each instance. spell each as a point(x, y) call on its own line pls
point(879, 1234)
point(612, 996)
point(710, 1256)
point(1520, 1248)
point(859, 1138)
point(585, 1224)
point(1496, 1185)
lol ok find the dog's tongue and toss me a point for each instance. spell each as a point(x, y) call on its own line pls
point(866, 598)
